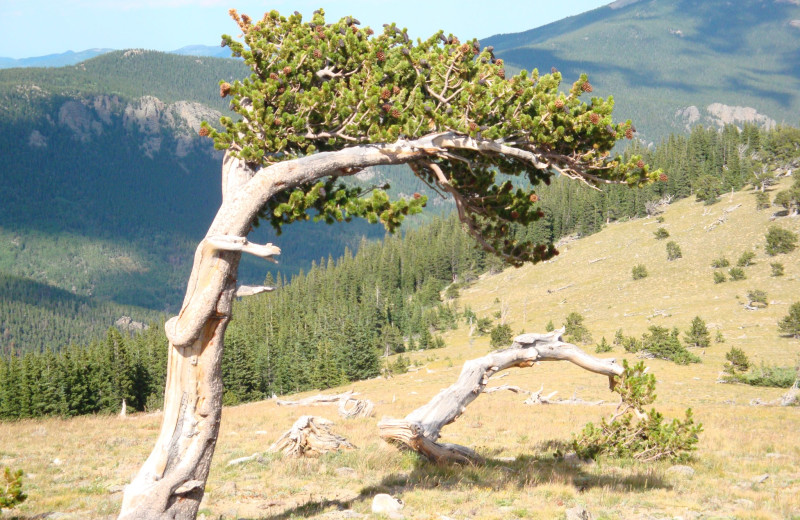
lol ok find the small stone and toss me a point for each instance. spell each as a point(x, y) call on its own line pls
point(57, 462)
point(761, 478)
point(386, 504)
point(681, 471)
point(578, 513)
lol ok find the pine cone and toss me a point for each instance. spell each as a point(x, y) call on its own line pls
point(515, 215)
point(417, 196)
point(472, 126)
point(203, 131)
point(224, 89)
point(273, 76)
point(629, 133)
point(370, 32)
point(502, 73)
point(386, 107)
point(381, 56)
point(594, 118)
point(385, 94)
point(395, 113)
point(663, 177)
point(396, 90)
point(587, 87)
point(640, 164)
point(559, 103)
point(317, 53)
point(287, 70)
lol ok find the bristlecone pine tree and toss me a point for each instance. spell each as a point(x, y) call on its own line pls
point(326, 100)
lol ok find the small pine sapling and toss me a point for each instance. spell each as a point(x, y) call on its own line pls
point(697, 335)
point(777, 268)
point(756, 298)
point(603, 347)
point(719, 338)
point(746, 259)
point(576, 330)
point(737, 273)
point(633, 433)
point(661, 233)
point(789, 325)
point(719, 263)
point(639, 271)
point(11, 489)
point(736, 361)
point(762, 200)
point(719, 277)
point(501, 336)
point(550, 327)
point(780, 240)
point(673, 251)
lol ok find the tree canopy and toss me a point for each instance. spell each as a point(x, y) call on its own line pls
point(318, 86)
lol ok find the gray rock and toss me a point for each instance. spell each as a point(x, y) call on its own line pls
point(681, 471)
point(578, 513)
point(387, 505)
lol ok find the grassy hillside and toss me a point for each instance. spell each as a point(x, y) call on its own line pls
point(659, 56)
point(746, 465)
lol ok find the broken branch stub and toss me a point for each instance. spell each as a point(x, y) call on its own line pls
point(420, 430)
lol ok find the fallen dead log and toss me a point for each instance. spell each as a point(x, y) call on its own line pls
point(420, 430)
point(318, 400)
point(309, 436)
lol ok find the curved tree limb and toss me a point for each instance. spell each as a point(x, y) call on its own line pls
point(421, 428)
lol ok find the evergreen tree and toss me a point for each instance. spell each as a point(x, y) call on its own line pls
point(698, 335)
point(790, 324)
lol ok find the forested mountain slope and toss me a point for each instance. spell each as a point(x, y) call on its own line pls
point(674, 63)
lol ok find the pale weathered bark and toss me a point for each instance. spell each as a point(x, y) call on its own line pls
point(421, 428)
point(171, 482)
point(309, 436)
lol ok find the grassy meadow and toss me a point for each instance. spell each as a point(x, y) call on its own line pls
point(747, 465)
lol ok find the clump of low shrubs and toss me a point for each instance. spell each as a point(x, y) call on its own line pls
point(603, 347)
point(719, 277)
point(737, 273)
point(780, 240)
point(639, 271)
point(719, 263)
point(661, 233)
point(746, 259)
point(11, 489)
point(633, 433)
point(673, 251)
point(500, 336)
point(575, 331)
point(777, 268)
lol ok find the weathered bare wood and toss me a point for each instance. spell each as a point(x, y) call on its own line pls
point(251, 290)
point(318, 400)
point(309, 436)
point(421, 428)
point(352, 408)
point(551, 291)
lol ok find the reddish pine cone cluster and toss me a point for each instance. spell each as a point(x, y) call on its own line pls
point(224, 89)
point(587, 87)
point(663, 177)
point(203, 131)
point(385, 94)
point(381, 56)
point(640, 164)
point(534, 197)
point(273, 76)
point(395, 90)
point(395, 113)
point(287, 70)
point(594, 118)
point(559, 103)
point(629, 133)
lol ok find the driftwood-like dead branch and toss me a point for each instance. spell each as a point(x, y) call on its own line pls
point(318, 400)
point(722, 218)
point(551, 291)
point(420, 430)
point(351, 408)
point(309, 436)
point(252, 290)
point(598, 260)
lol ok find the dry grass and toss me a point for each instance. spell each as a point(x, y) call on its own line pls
point(78, 466)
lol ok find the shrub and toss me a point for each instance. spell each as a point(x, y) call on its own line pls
point(576, 330)
point(736, 361)
point(719, 277)
point(603, 347)
point(790, 324)
point(746, 259)
point(673, 251)
point(549, 327)
point(618, 337)
point(719, 338)
point(719, 263)
point(648, 438)
point(501, 336)
point(757, 296)
point(765, 375)
point(737, 273)
point(762, 200)
point(698, 335)
point(483, 326)
point(452, 291)
point(11, 491)
point(664, 344)
point(661, 233)
point(639, 271)
point(777, 268)
point(660, 219)
point(780, 240)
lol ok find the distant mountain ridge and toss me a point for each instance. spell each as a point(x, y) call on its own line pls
point(73, 58)
point(673, 63)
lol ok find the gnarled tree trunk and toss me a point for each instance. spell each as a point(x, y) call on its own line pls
point(172, 480)
point(421, 428)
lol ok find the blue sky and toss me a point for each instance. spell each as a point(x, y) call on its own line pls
point(39, 27)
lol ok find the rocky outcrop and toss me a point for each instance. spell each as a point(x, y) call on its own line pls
point(147, 119)
point(718, 114)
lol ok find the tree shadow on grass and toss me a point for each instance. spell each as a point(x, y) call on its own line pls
point(546, 466)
